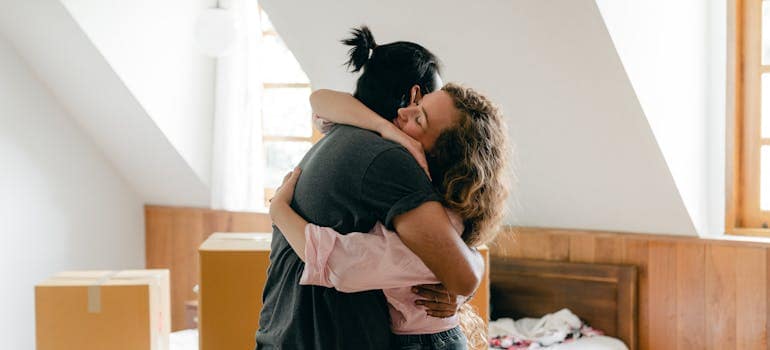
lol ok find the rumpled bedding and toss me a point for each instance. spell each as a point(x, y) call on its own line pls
point(548, 332)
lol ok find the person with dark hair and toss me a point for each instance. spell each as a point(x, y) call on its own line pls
point(352, 179)
point(390, 71)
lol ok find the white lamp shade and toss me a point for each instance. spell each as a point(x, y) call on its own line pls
point(216, 32)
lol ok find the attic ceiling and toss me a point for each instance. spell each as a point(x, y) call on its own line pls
point(586, 155)
point(61, 54)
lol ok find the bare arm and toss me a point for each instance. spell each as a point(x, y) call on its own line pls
point(427, 231)
point(356, 258)
point(342, 108)
point(285, 218)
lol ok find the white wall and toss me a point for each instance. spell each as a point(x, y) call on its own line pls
point(57, 50)
point(62, 205)
point(150, 46)
point(587, 156)
point(717, 113)
point(673, 54)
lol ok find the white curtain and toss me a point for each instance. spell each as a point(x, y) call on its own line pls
point(238, 162)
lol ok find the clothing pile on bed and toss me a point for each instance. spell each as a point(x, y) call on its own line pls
point(534, 333)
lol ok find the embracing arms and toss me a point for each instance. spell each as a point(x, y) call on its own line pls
point(342, 108)
point(349, 262)
point(426, 230)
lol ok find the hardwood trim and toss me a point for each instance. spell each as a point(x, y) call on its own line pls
point(733, 109)
point(512, 235)
point(745, 70)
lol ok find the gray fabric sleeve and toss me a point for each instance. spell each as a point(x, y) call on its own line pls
point(394, 184)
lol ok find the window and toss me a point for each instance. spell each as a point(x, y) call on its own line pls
point(749, 160)
point(286, 124)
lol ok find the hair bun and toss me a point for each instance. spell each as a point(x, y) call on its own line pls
point(362, 43)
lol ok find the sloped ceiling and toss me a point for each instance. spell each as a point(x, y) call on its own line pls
point(585, 156)
point(667, 59)
point(62, 56)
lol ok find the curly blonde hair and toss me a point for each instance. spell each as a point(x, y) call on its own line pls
point(470, 164)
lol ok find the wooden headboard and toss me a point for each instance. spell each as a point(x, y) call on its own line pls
point(604, 296)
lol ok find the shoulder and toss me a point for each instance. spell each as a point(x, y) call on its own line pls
point(368, 146)
point(356, 136)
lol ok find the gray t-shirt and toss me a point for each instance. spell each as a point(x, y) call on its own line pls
point(350, 179)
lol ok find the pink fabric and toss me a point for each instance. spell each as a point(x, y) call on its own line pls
point(376, 260)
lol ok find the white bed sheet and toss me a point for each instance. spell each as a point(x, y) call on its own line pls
point(188, 340)
point(599, 342)
point(184, 340)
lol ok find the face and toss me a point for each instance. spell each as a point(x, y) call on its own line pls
point(427, 117)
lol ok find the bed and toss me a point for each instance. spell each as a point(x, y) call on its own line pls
point(602, 295)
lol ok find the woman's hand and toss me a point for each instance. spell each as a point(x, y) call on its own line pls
point(393, 133)
point(285, 193)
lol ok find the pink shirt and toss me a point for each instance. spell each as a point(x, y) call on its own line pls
point(376, 260)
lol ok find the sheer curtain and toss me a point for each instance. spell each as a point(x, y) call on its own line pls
point(238, 162)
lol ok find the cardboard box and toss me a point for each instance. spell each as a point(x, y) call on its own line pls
point(233, 273)
point(96, 310)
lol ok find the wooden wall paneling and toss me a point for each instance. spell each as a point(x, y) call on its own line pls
point(608, 250)
point(767, 297)
point(559, 247)
point(506, 244)
point(750, 284)
point(690, 296)
point(692, 293)
point(187, 236)
point(537, 246)
point(158, 246)
point(662, 303)
point(720, 297)
point(636, 252)
point(582, 248)
point(173, 235)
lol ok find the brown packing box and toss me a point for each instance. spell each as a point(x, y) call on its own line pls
point(97, 310)
point(233, 273)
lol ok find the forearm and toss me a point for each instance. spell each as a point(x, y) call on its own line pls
point(291, 225)
point(343, 108)
point(426, 230)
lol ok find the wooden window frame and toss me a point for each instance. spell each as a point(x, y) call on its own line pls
point(315, 136)
point(744, 78)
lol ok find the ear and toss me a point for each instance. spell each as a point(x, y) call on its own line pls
point(415, 94)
